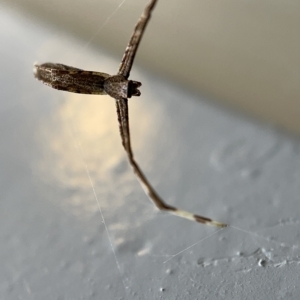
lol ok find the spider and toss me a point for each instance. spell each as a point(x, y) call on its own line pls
point(65, 78)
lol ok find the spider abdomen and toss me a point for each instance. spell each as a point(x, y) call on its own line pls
point(70, 79)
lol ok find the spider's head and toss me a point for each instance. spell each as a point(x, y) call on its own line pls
point(133, 88)
point(117, 86)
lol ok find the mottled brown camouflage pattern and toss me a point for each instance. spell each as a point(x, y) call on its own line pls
point(75, 80)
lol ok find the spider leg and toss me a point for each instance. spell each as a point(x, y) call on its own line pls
point(122, 112)
point(135, 39)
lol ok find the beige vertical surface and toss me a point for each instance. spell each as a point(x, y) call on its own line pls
point(242, 53)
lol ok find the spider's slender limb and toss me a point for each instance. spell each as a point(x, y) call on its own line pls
point(122, 111)
point(135, 39)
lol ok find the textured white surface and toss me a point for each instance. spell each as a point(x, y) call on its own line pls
point(199, 156)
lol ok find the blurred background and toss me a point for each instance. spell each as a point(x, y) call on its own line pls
point(242, 53)
point(219, 77)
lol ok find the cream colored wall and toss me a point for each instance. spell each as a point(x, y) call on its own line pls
point(242, 53)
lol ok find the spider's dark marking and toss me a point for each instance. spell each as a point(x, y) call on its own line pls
point(62, 77)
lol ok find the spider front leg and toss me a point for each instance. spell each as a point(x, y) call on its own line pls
point(123, 119)
point(161, 205)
